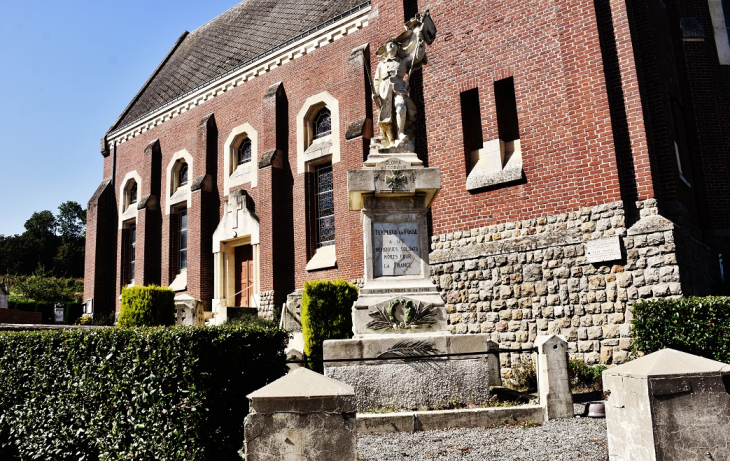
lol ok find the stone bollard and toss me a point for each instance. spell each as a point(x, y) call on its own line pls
point(303, 416)
point(668, 405)
point(552, 377)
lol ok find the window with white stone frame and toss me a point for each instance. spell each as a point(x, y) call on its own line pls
point(240, 160)
point(720, 13)
point(318, 132)
point(130, 193)
point(180, 174)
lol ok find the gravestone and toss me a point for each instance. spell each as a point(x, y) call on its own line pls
point(402, 354)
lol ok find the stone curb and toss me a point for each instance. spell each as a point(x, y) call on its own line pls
point(412, 421)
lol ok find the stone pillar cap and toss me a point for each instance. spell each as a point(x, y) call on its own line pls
point(669, 363)
point(303, 391)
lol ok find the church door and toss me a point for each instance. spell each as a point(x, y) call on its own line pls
point(244, 276)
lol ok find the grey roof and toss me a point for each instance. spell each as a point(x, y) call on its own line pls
point(249, 30)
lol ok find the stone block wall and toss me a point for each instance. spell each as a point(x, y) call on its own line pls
point(266, 306)
point(522, 279)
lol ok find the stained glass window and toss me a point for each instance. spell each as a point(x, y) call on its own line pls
point(132, 250)
point(183, 236)
point(322, 123)
point(325, 206)
point(244, 151)
point(183, 175)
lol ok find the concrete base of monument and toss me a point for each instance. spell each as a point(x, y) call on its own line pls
point(409, 306)
point(392, 380)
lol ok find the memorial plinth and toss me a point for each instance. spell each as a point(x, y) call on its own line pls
point(394, 195)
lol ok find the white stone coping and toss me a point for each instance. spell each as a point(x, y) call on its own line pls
point(325, 257)
point(498, 162)
point(181, 282)
point(323, 37)
point(669, 363)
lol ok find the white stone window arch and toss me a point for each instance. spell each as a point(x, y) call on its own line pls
point(131, 183)
point(247, 172)
point(178, 192)
point(313, 149)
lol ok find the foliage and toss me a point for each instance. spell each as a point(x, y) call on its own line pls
point(173, 393)
point(699, 326)
point(43, 287)
point(524, 375)
point(583, 377)
point(55, 242)
point(147, 306)
point(71, 220)
point(326, 314)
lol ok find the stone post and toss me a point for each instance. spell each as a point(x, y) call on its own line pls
point(668, 405)
point(303, 416)
point(552, 377)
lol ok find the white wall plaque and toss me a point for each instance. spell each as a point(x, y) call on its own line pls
point(604, 249)
point(396, 249)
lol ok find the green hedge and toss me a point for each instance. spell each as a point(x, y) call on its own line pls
point(326, 314)
point(699, 326)
point(147, 306)
point(71, 312)
point(174, 393)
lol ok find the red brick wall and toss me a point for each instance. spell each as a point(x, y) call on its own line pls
point(585, 84)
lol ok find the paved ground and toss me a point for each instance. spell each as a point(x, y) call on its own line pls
point(577, 439)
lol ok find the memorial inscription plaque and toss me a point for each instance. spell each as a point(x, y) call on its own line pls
point(396, 249)
point(603, 250)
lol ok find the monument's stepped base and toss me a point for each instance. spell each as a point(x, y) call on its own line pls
point(425, 383)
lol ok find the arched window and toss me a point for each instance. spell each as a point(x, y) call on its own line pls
point(182, 175)
point(133, 193)
point(322, 123)
point(244, 151)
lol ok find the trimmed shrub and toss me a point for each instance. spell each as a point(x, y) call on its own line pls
point(147, 306)
point(175, 393)
point(699, 326)
point(326, 314)
point(72, 312)
point(22, 305)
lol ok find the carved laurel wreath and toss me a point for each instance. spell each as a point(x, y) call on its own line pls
point(414, 315)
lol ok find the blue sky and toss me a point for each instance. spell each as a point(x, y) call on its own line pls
point(68, 69)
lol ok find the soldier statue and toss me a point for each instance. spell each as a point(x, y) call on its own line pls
point(400, 57)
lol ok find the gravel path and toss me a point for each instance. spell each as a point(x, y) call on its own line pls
point(574, 439)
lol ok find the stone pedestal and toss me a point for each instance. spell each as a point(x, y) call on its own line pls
point(668, 405)
point(402, 383)
point(394, 192)
point(303, 416)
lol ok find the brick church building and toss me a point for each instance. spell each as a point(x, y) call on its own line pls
point(565, 131)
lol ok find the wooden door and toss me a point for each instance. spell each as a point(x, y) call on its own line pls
point(244, 276)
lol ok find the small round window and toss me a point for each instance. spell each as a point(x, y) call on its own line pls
point(322, 123)
point(244, 151)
